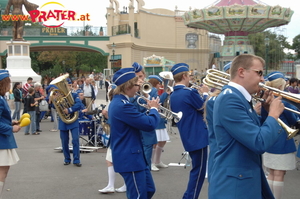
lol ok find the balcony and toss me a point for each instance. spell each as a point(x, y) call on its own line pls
point(121, 30)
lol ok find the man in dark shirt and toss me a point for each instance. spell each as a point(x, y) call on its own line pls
point(30, 105)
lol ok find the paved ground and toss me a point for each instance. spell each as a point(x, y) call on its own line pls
point(40, 174)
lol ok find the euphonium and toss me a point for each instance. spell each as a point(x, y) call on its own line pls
point(62, 98)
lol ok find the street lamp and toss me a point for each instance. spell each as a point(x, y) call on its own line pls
point(63, 62)
point(267, 42)
point(113, 46)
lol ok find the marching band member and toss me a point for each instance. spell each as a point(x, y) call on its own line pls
point(125, 138)
point(280, 157)
point(83, 109)
point(74, 128)
point(240, 136)
point(161, 130)
point(8, 154)
point(192, 129)
point(110, 188)
point(148, 137)
point(227, 67)
point(208, 117)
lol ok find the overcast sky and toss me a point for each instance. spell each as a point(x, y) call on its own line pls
point(97, 10)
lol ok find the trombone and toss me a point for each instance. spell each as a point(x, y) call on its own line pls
point(217, 79)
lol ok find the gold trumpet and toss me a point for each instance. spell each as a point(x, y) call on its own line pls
point(217, 79)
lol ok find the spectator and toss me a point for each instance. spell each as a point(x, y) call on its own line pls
point(38, 96)
point(89, 93)
point(18, 99)
point(293, 88)
point(75, 86)
point(25, 88)
point(101, 77)
point(31, 104)
point(96, 78)
point(91, 76)
point(107, 84)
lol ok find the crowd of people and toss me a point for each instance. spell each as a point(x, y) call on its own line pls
point(234, 160)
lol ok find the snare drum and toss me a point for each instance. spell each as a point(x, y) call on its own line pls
point(86, 127)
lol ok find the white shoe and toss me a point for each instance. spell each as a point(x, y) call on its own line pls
point(121, 189)
point(107, 190)
point(161, 165)
point(154, 168)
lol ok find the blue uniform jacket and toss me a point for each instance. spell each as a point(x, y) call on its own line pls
point(241, 139)
point(148, 137)
point(283, 145)
point(76, 107)
point(162, 122)
point(125, 137)
point(7, 139)
point(211, 134)
point(192, 129)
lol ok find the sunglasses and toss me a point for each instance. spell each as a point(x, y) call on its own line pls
point(259, 72)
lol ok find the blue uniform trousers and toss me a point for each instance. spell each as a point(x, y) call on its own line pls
point(140, 184)
point(197, 174)
point(148, 153)
point(64, 136)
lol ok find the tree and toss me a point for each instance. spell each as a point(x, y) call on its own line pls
point(72, 62)
point(296, 46)
point(277, 44)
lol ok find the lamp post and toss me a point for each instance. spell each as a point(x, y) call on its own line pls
point(113, 46)
point(63, 62)
point(267, 42)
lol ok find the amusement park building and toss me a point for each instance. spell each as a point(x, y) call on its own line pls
point(156, 39)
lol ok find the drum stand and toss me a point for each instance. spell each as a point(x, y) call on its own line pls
point(185, 155)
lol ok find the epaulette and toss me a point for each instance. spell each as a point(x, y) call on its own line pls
point(125, 101)
point(227, 90)
point(187, 88)
point(213, 98)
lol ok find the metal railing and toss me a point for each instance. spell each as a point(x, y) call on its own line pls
point(74, 31)
point(121, 29)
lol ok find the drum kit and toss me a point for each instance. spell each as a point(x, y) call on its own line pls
point(95, 132)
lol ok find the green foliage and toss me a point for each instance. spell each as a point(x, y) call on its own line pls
point(73, 62)
point(275, 50)
point(296, 46)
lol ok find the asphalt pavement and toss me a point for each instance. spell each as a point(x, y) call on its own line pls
point(40, 173)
